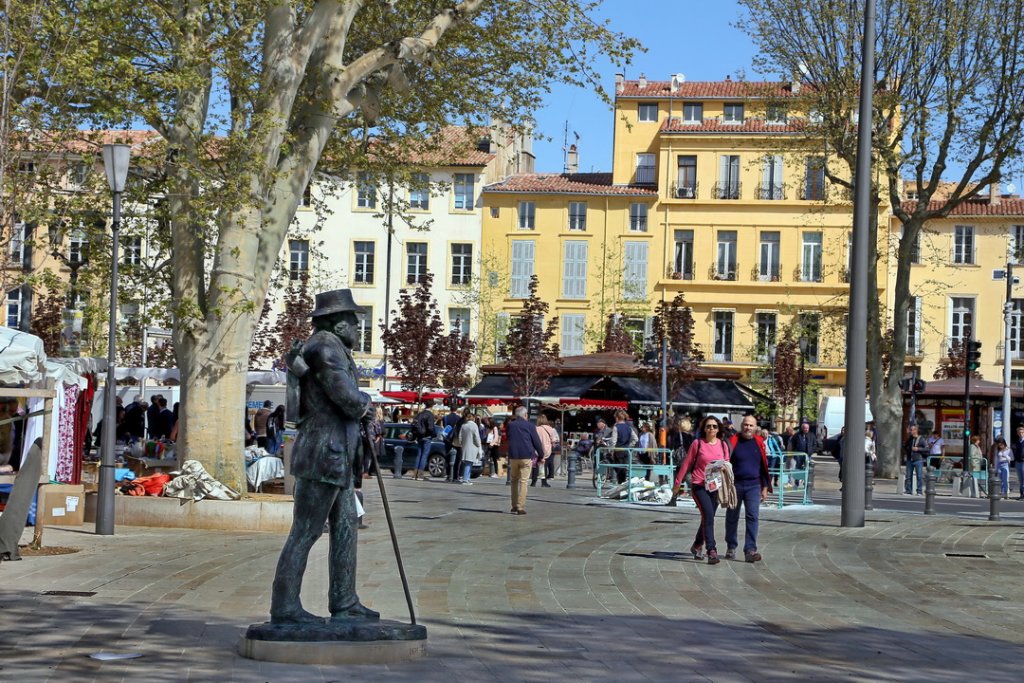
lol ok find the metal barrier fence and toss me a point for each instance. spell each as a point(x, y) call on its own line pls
point(791, 484)
point(631, 462)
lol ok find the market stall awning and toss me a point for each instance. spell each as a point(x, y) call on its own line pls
point(709, 395)
point(410, 396)
point(500, 387)
point(637, 390)
point(586, 404)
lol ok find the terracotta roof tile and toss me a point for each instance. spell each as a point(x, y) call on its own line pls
point(750, 125)
point(567, 183)
point(454, 146)
point(709, 89)
point(979, 207)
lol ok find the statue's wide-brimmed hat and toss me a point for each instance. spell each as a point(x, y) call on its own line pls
point(335, 301)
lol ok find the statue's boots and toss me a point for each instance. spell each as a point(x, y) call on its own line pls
point(356, 611)
point(298, 616)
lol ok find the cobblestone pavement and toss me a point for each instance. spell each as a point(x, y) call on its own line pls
point(578, 589)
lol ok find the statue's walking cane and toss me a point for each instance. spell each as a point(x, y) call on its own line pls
point(391, 526)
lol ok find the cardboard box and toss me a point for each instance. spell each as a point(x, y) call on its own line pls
point(62, 505)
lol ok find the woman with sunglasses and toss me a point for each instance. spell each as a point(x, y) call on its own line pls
point(705, 449)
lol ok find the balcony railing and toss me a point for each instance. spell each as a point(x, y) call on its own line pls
point(680, 271)
point(726, 272)
point(726, 190)
point(1016, 354)
point(773, 275)
point(812, 192)
point(808, 275)
point(722, 357)
point(685, 190)
point(645, 175)
point(963, 257)
point(771, 191)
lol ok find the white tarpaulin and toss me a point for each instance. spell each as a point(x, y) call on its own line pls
point(22, 358)
point(165, 374)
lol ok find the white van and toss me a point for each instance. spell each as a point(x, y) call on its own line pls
point(832, 415)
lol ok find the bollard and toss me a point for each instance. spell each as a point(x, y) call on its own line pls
point(452, 453)
point(809, 493)
point(399, 462)
point(869, 485)
point(929, 491)
point(570, 482)
point(993, 497)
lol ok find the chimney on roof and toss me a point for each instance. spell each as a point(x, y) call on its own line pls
point(728, 78)
point(572, 160)
point(794, 86)
point(642, 82)
point(620, 83)
point(994, 193)
point(677, 82)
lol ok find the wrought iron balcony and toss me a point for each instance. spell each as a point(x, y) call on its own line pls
point(726, 190)
point(773, 275)
point(726, 272)
point(812, 191)
point(771, 191)
point(685, 190)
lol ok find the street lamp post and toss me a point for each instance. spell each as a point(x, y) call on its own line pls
point(803, 356)
point(771, 361)
point(115, 163)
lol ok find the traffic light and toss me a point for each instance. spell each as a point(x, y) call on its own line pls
point(918, 386)
point(973, 355)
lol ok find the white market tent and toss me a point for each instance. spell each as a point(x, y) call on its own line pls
point(23, 361)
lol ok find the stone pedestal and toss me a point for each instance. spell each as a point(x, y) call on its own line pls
point(354, 641)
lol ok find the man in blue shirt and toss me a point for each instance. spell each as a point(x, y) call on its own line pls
point(749, 462)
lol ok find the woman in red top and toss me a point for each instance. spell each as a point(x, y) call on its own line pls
point(704, 450)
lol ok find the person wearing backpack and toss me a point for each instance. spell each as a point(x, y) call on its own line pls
point(424, 426)
point(705, 449)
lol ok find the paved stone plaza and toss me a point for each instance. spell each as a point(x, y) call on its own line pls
point(577, 590)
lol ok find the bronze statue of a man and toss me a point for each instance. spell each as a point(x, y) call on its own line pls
point(325, 459)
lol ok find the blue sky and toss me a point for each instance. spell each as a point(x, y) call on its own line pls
point(684, 36)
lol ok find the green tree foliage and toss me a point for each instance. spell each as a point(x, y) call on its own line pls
point(248, 96)
point(948, 95)
point(529, 349)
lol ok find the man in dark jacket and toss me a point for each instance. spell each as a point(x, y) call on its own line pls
point(325, 459)
point(424, 428)
point(749, 460)
point(153, 416)
point(135, 418)
point(804, 441)
point(523, 446)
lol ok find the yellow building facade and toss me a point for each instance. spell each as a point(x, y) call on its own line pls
point(738, 217)
point(958, 284)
